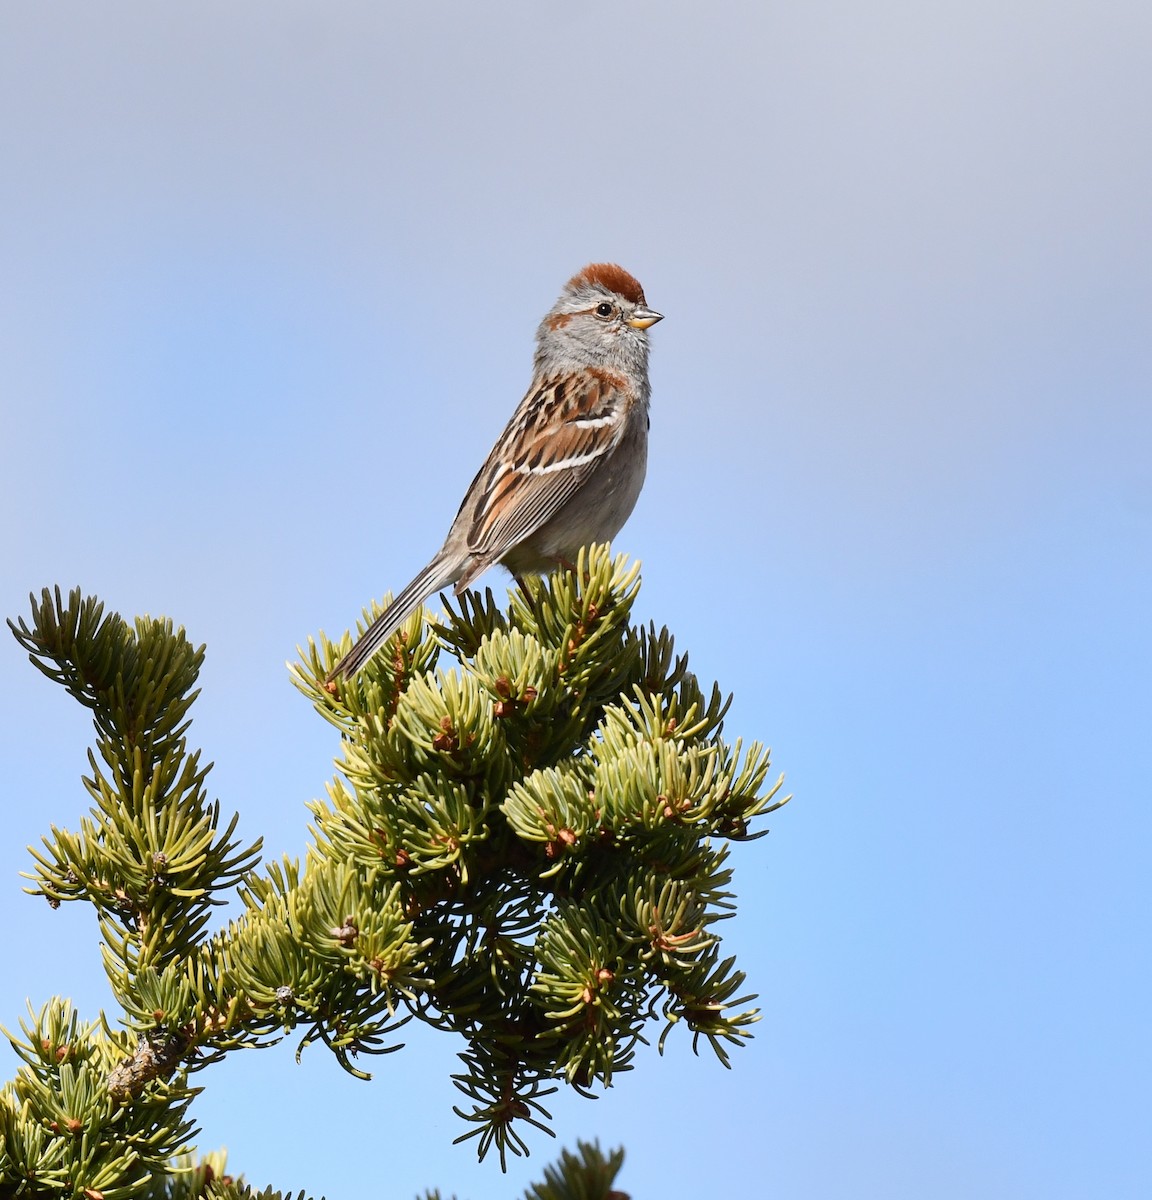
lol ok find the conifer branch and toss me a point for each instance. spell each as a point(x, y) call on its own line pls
point(525, 846)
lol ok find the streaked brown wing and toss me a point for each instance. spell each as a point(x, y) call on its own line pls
point(555, 441)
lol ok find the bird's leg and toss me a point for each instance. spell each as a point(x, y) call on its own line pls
point(570, 566)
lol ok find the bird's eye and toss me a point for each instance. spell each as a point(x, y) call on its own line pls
point(604, 309)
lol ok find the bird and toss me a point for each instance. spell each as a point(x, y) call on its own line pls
point(569, 466)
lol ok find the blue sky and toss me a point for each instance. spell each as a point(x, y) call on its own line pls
point(270, 277)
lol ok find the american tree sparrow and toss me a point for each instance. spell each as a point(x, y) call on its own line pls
point(568, 468)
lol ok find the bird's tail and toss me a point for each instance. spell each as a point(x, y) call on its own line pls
point(439, 573)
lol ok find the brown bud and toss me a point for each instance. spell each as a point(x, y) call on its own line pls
point(347, 933)
point(446, 740)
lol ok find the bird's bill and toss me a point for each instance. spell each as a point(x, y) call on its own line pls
point(643, 317)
